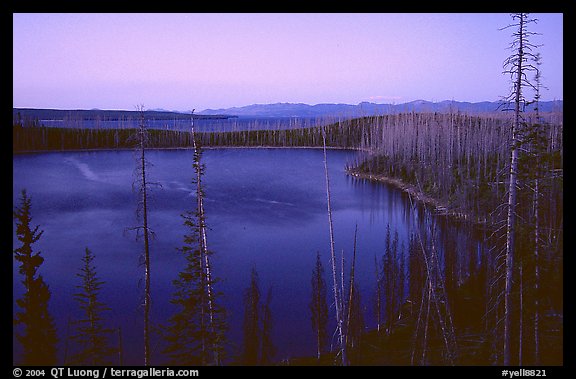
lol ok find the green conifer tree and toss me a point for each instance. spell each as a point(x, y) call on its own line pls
point(92, 336)
point(319, 307)
point(38, 337)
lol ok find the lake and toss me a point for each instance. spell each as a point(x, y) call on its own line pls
point(265, 209)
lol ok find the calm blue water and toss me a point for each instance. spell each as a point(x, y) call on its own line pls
point(266, 208)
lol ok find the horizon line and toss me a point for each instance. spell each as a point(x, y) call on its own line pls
point(275, 103)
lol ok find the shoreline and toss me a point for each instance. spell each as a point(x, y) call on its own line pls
point(181, 148)
point(440, 209)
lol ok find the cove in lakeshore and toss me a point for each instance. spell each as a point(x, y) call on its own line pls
point(265, 209)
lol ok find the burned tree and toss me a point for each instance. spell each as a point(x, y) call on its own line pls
point(142, 185)
point(516, 65)
point(337, 294)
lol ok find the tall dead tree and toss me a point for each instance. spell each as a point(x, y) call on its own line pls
point(141, 185)
point(516, 65)
point(142, 133)
point(205, 256)
point(337, 298)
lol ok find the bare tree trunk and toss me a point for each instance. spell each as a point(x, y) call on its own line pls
point(337, 302)
point(342, 292)
point(378, 295)
point(143, 189)
point(203, 241)
point(510, 245)
point(351, 290)
point(318, 326)
point(425, 342)
point(512, 197)
point(536, 275)
point(521, 324)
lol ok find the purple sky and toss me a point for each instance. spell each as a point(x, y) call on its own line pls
point(184, 61)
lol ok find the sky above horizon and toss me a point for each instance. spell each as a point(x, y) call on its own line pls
point(210, 61)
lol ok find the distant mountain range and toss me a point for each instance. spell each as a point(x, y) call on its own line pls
point(104, 114)
point(279, 110)
point(368, 109)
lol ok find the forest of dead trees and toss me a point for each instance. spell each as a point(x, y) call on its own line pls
point(432, 306)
